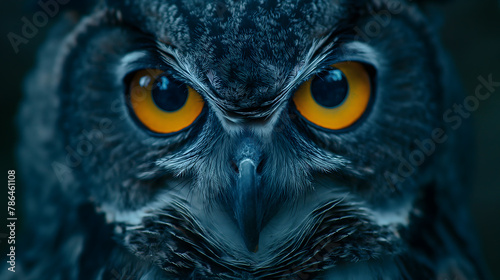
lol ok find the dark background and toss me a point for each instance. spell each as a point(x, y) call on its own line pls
point(471, 33)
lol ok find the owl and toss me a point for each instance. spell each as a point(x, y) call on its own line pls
point(244, 139)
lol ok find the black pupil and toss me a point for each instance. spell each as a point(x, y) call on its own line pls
point(168, 94)
point(330, 88)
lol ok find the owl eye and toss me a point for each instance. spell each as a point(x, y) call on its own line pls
point(336, 98)
point(161, 103)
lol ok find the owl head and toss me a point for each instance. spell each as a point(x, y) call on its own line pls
point(246, 140)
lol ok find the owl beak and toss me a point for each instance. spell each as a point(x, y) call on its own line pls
point(247, 213)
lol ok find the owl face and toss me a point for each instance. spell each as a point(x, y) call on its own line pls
point(250, 138)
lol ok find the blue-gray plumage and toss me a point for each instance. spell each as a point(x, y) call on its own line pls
point(252, 188)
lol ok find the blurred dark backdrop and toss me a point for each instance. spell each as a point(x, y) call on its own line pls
point(471, 33)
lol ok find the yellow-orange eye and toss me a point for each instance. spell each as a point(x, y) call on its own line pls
point(336, 98)
point(163, 104)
